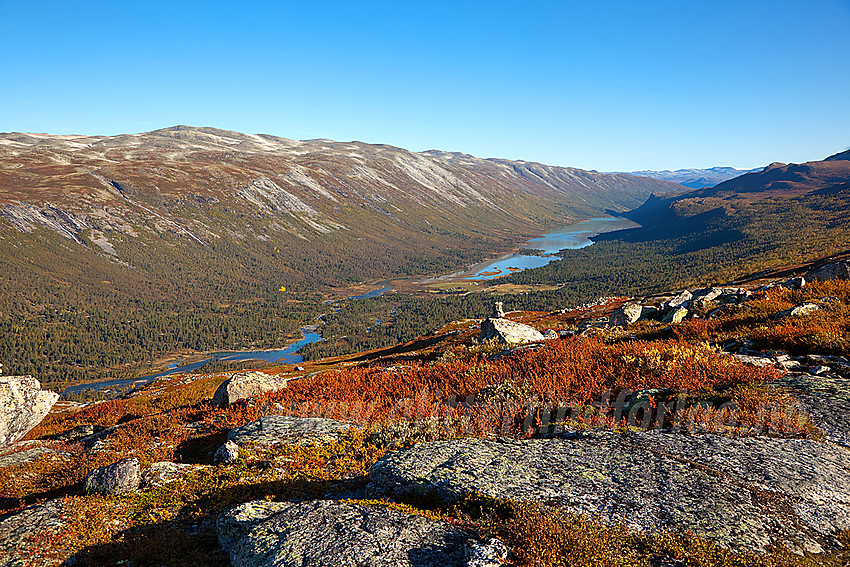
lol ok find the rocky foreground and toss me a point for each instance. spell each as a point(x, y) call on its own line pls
point(705, 427)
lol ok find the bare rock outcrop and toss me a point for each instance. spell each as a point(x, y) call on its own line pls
point(245, 385)
point(22, 535)
point(23, 404)
point(275, 429)
point(839, 270)
point(342, 534)
point(745, 493)
point(508, 332)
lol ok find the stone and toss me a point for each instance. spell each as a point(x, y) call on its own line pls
point(754, 360)
point(491, 553)
point(508, 332)
point(26, 455)
point(165, 472)
point(551, 334)
point(681, 300)
point(703, 297)
point(802, 309)
point(745, 493)
point(675, 316)
point(117, 478)
point(23, 535)
point(275, 429)
point(23, 404)
point(245, 385)
point(227, 453)
point(625, 315)
point(839, 270)
point(325, 532)
point(498, 310)
point(794, 283)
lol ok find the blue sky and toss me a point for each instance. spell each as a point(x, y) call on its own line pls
point(606, 85)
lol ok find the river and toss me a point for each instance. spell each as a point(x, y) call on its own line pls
point(282, 356)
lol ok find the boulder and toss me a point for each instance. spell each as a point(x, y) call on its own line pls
point(802, 309)
point(23, 404)
point(318, 533)
point(508, 332)
point(681, 300)
point(625, 315)
point(675, 316)
point(287, 429)
point(794, 283)
point(123, 476)
point(244, 385)
point(745, 493)
point(703, 297)
point(227, 453)
point(23, 452)
point(839, 270)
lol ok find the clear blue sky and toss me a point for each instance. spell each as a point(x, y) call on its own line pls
point(597, 84)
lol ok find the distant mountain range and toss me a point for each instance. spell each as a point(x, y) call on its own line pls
point(695, 178)
point(327, 203)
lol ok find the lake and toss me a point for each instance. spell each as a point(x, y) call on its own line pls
point(571, 237)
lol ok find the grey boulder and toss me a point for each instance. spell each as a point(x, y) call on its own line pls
point(625, 315)
point(681, 300)
point(245, 385)
point(745, 493)
point(23, 404)
point(508, 332)
point(122, 476)
point(341, 534)
point(675, 316)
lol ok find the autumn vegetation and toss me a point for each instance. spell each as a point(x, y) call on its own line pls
point(452, 388)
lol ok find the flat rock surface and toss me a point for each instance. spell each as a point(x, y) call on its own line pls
point(21, 452)
point(341, 534)
point(826, 399)
point(745, 493)
point(20, 533)
point(287, 429)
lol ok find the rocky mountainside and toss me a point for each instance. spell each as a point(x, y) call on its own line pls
point(186, 188)
point(116, 251)
point(695, 178)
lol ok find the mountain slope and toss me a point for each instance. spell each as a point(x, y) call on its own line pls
point(195, 187)
point(118, 249)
